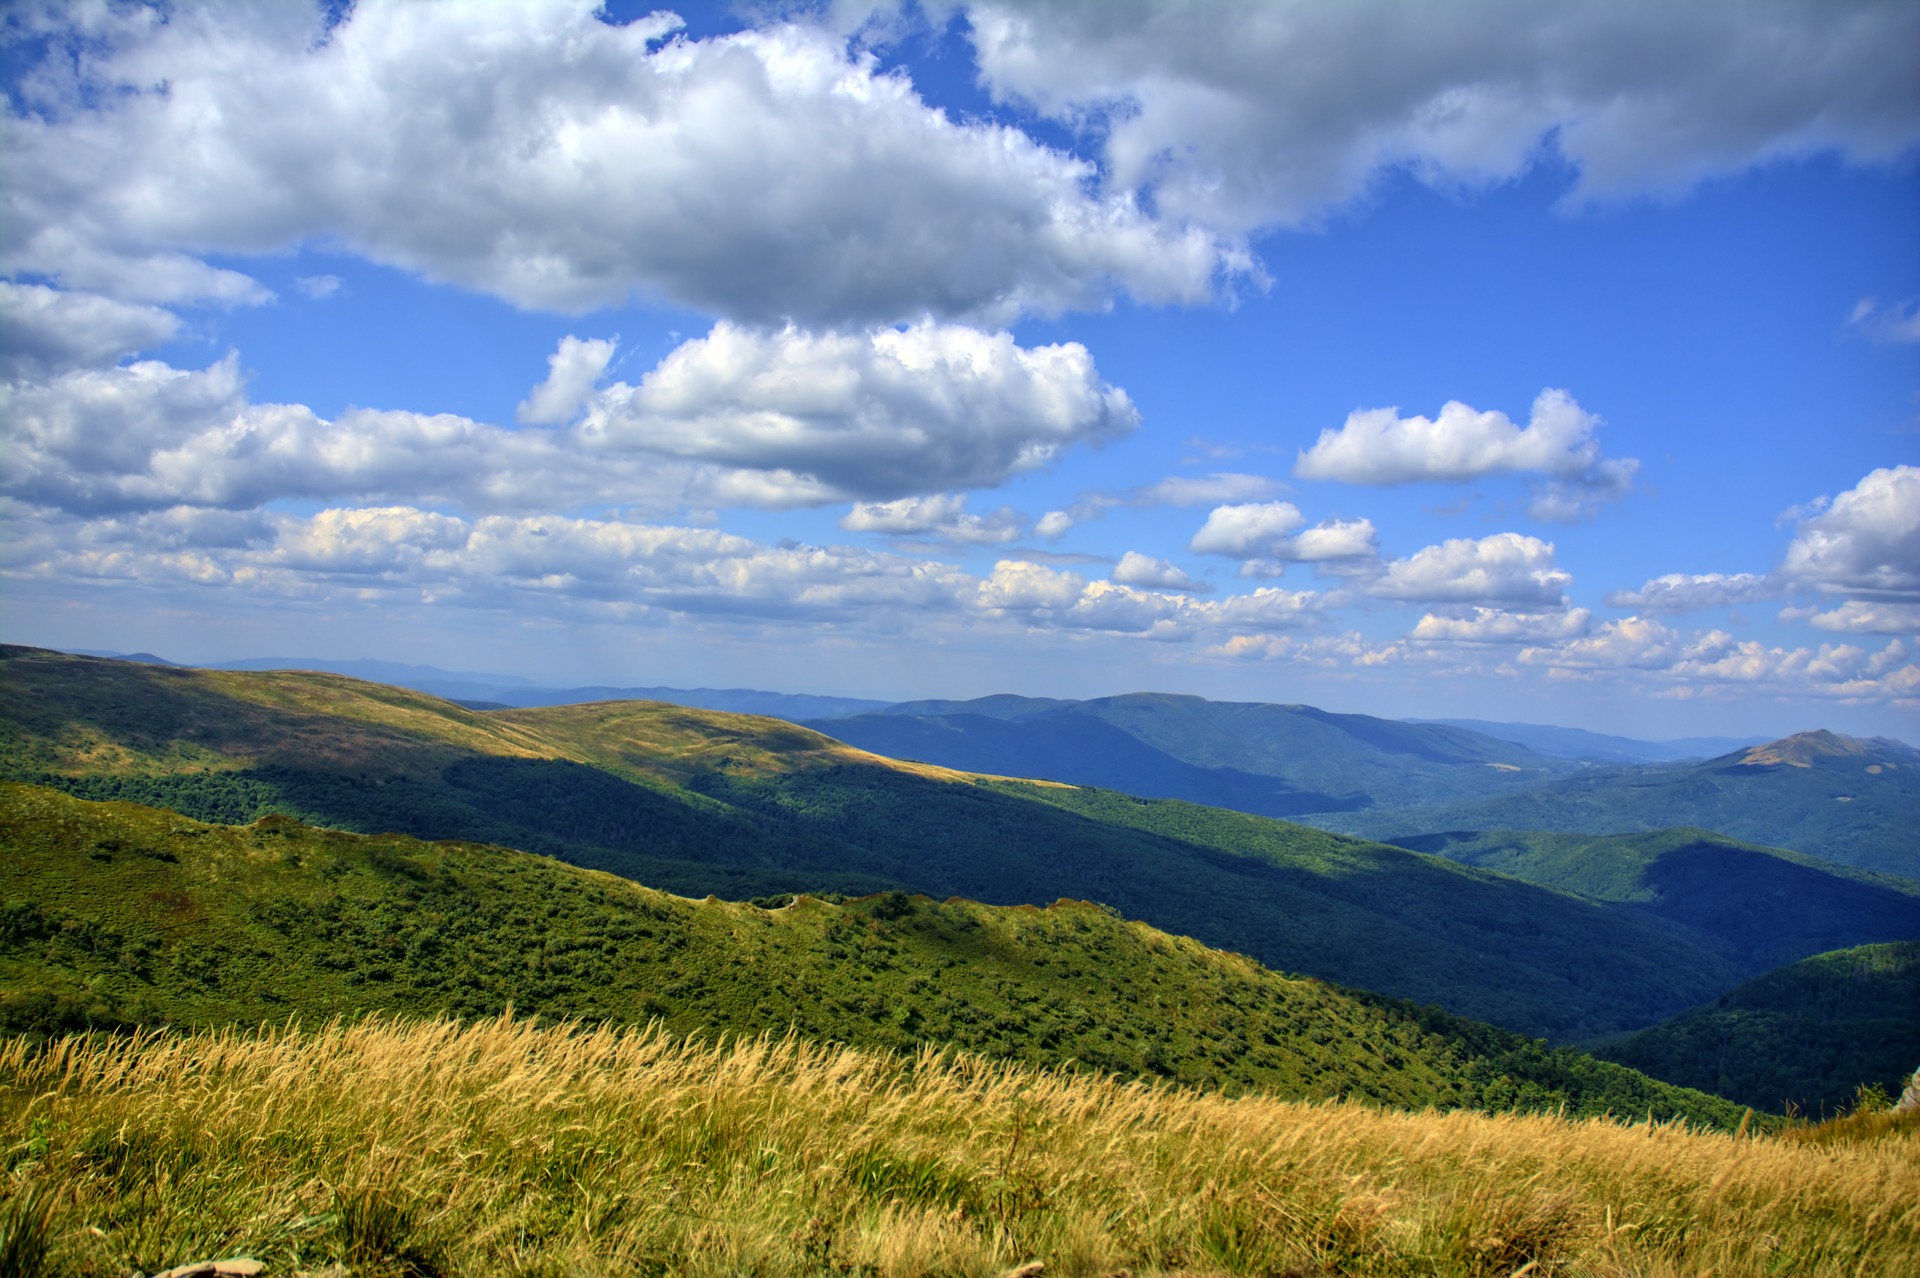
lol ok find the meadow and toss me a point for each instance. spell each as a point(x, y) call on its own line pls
point(399, 1147)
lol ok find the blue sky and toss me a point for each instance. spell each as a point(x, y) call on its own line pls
point(1534, 361)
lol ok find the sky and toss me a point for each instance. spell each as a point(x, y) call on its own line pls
point(1550, 361)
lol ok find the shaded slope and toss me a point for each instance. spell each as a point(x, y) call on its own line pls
point(1768, 906)
point(1273, 760)
point(125, 914)
point(698, 802)
point(1078, 749)
point(1807, 1035)
point(1839, 798)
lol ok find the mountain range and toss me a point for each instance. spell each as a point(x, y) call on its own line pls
point(700, 802)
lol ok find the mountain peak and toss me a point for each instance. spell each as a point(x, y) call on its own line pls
point(1802, 748)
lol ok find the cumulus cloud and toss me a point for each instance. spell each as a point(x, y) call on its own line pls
point(45, 330)
point(1717, 662)
point(1893, 323)
point(1865, 543)
point(1496, 625)
point(1378, 446)
point(1053, 525)
point(1861, 617)
point(1136, 569)
point(737, 418)
point(876, 415)
point(765, 176)
point(940, 517)
point(1504, 570)
point(1690, 592)
point(1258, 114)
point(572, 371)
point(1250, 530)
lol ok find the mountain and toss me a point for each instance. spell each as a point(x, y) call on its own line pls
point(777, 705)
point(122, 914)
point(1805, 1036)
point(1839, 798)
point(1766, 906)
point(1273, 760)
point(1577, 743)
point(700, 802)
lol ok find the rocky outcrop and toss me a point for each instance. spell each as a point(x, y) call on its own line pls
point(1909, 1101)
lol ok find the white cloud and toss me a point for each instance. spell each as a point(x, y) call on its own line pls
point(1378, 446)
point(940, 517)
point(1136, 569)
point(877, 416)
point(1861, 617)
point(1186, 490)
point(319, 287)
point(1247, 531)
point(765, 176)
point(1716, 663)
point(1504, 570)
point(1496, 625)
point(572, 371)
point(45, 330)
point(1866, 543)
point(733, 419)
point(1690, 592)
point(1018, 585)
point(1254, 114)
point(1894, 323)
point(1053, 525)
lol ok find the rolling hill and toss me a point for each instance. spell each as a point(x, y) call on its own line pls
point(1805, 1036)
point(119, 914)
point(1768, 906)
point(1839, 798)
point(700, 802)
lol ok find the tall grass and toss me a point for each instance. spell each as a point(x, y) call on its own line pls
point(434, 1148)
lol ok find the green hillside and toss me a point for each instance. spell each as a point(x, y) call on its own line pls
point(699, 802)
point(1807, 1035)
point(121, 914)
point(1838, 798)
point(1768, 906)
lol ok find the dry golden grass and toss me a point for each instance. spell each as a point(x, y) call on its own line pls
point(503, 1148)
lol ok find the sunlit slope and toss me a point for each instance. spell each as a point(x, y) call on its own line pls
point(1767, 906)
point(1807, 1035)
point(502, 1147)
point(120, 914)
point(700, 802)
point(1839, 798)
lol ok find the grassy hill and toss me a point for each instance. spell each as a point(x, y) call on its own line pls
point(1807, 1035)
point(1768, 906)
point(1272, 760)
point(501, 1148)
point(117, 914)
point(1838, 798)
point(699, 802)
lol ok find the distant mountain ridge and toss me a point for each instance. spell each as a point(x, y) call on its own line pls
point(1846, 799)
point(514, 691)
point(1270, 760)
point(1577, 743)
